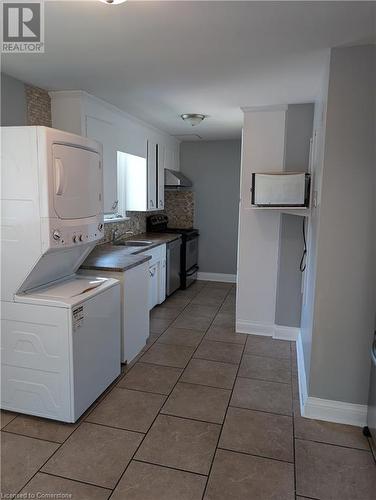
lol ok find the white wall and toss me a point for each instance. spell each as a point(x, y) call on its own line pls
point(263, 149)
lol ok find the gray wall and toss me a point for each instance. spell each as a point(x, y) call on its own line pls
point(299, 127)
point(345, 282)
point(13, 101)
point(214, 169)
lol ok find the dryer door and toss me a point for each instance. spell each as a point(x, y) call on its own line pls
point(77, 175)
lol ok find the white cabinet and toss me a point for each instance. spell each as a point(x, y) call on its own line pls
point(161, 154)
point(153, 285)
point(157, 275)
point(105, 133)
point(134, 296)
point(141, 180)
point(152, 177)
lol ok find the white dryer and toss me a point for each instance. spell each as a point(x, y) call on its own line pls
point(60, 347)
point(60, 332)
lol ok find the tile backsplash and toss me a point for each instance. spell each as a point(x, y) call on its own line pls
point(179, 206)
point(38, 106)
point(136, 223)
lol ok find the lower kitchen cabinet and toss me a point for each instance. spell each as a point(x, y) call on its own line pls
point(157, 275)
point(134, 295)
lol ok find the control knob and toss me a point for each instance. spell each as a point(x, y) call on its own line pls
point(56, 235)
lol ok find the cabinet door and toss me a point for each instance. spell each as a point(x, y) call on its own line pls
point(153, 285)
point(152, 176)
point(161, 154)
point(105, 133)
point(162, 275)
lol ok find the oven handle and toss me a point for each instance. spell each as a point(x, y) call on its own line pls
point(195, 269)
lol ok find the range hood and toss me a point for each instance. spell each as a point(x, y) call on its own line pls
point(175, 179)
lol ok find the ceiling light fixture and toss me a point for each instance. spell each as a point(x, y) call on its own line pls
point(113, 2)
point(193, 118)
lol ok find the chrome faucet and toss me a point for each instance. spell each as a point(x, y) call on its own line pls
point(115, 234)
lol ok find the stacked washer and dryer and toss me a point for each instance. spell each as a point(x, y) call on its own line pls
point(60, 338)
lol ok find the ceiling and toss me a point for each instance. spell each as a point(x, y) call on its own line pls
point(157, 60)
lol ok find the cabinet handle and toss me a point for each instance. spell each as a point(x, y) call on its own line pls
point(151, 203)
point(151, 272)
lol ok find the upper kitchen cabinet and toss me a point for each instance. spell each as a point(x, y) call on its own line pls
point(120, 133)
point(105, 133)
point(141, 180)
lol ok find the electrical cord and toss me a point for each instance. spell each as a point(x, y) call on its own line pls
point(303, 263)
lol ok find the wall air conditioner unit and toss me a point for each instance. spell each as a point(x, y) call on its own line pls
point(283, 190)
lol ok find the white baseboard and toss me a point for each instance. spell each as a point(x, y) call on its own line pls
point(255, 328)
point(302, 379)
point(336, 411)
point(286, 332)
point(267, 329)
point(326, 409)
point(224, 278)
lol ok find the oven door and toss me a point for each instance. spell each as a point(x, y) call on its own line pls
point(191, 254)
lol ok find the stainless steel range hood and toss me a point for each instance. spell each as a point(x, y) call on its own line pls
point(175, 179)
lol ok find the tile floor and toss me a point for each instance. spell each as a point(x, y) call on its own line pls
point(203, 413)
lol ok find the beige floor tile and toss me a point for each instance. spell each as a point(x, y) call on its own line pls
point(94, 454)
point(21, 457)
point(180, 443)
point(198, 402)
point(151, 378)
point(41, 428)
point(329, 432)
point(213, 373)
point(167, 313)
point(266, 346)
point(143, 481)
point(295, 385)
point(176, 302)
point(205, 311)
point(219, 351)
point(159, 325)
point(168, 355)
point(6, 417)
point(208, 299)
point(227, 308)
point(225, 334)
point(258, 433)
point(189, 321)
point(128, 409)
point(225, 319)
point(241, 477)
point(260, 367)
point(327, 471)
point(181, 336)
point(262, 395)
point(45, 486)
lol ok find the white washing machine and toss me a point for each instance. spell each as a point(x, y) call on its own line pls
point(60, 332)
point(60, 347)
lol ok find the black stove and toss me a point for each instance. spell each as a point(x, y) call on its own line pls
point(189, 249)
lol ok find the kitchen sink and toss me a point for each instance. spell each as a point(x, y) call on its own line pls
point(133, 243)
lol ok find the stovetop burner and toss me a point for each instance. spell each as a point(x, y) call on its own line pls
point(158, 224)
